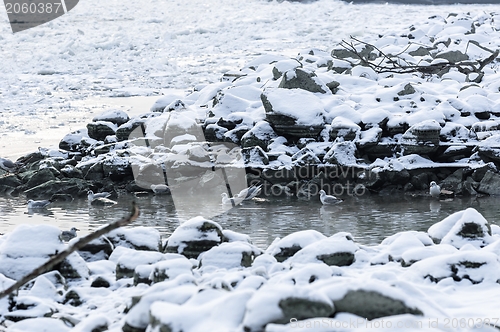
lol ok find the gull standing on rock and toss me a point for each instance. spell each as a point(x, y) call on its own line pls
point(91, 196)
point(328, 199)
point(7, 165)
point(434, 190)
point(38, 204)
point(68, 235)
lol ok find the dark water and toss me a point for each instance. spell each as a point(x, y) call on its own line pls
point(368, 218)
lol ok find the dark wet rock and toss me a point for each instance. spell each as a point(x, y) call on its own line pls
point(73, 267)
point(72, 297)
point(453, 182)
point(76, 141)
point(123, 132)
point(480, 172)
point(193, 237)
point(10, 180)
point(372, 305)
point(490, 183)
point(408, 89)
point(91, 170)
point(302, 79)
point(74, 187)
point(98, 249)
point(70, 171)
point(42, 176)
point(62, 198)
point(118, 117)
point(214, 132)
point(303, 308)
point(99, 130)
point(260, 135)
point(452, 56)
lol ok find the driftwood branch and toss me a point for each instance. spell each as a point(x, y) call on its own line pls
point(396, 64)
point(58, 258)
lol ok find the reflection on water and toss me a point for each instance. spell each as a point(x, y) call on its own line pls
point(369, 219)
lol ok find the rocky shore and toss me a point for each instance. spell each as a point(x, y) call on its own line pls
point(385, 115)
point(204, 277)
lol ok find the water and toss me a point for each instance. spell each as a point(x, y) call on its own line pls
point(369, 219)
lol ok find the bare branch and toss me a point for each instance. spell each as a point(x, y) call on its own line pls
point(394, 63)
point(58, 258)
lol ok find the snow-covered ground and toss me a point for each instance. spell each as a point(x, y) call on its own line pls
point(52, 74)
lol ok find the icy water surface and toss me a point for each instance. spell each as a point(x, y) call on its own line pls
point(369, 219)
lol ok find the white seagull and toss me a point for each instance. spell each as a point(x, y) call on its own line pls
point(328, 199)
point(38, 204)
point(7, 165)
point(434, 190)
point(230, 201)
point(68, 235)
point(250, 192)
point(91, 196)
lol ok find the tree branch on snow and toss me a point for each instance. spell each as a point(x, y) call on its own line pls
point(58, 258)
point(396, 64)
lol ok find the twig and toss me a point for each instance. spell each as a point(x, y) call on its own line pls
point(58, 258)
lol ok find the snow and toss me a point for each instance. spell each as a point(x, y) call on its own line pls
point(299, 104)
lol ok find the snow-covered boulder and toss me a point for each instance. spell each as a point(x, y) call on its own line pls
point(280, 303)
point(139, 237)
point(284, 248)
point(118, 117)
point(336, 250)
point(168, 269)
point(30, 246)
point(194, 236)
point(300, 78)
point(462, 228)
point(294, 112)
point(421, 138)
point(99, 130)
point(230, 255)
point(474, 265)
point(127, 260)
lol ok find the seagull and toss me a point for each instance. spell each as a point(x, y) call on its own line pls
point(38, 204)
point(328, 199)
point(160, 189)
point(250, 192)
point(434, 190)
point(231, 201)
point(7, 165)
point(91, 196)
point(68, 235)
